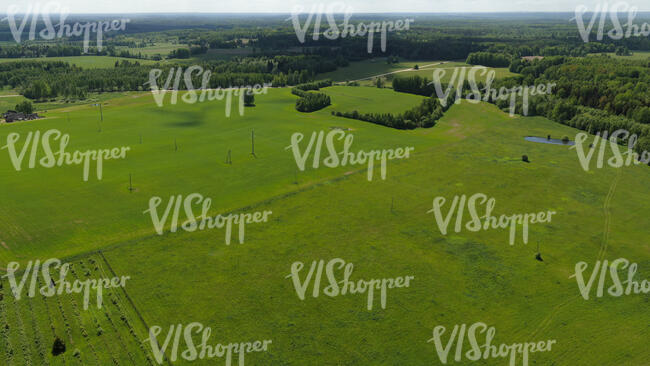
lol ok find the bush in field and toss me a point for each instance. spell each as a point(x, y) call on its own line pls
point(311, 102)
point(249, 99)
point(425, 115)
point(25, 107)
point(58, 347)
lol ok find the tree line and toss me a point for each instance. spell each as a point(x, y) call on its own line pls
point(309, 100)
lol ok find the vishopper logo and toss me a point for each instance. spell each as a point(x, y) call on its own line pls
point(460, 77)
point(50, 288)
point(348, 29)
point(486, 221)
point(618, 287)
point(600, 144)
point(601, 13)
point(347, 157)
point(61, 157)
point(54, 30)
point(193, 95)
point(202, 222)
point(483, 349)
point(344, 286)
point(203, 350)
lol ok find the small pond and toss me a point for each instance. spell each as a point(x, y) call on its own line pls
point(547, 141)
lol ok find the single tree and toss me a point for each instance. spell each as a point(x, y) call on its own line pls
point(25, 107)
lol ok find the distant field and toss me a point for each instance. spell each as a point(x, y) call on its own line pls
point(636, 55)
point(500, 73)
point(8, 100)
point(364, 72)
point(163, 48)
point(368, 68)
point(369, 99)
point(86, 62)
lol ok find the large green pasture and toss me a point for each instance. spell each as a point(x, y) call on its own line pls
point(382, 226)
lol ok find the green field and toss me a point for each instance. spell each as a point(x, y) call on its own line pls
point(369, 100)
point(382, 226)
point(365, 72)
point(86, 62)
point(636, 55)
point(161, 48)
point(91, 335)
point(9, 99)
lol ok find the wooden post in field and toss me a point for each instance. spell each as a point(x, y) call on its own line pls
point(253, 143)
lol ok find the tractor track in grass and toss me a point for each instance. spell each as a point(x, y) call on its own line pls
point(300, 189)
point(608, 215)
point(601, 253)
point(423, 67)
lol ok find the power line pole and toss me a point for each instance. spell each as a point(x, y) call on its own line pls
point(130, 184)
point(253, 144)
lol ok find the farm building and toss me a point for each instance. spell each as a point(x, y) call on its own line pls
point(13, 116)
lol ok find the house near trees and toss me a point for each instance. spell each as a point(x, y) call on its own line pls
point(13, 116)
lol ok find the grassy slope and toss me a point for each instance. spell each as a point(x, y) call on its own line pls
point(240, 290)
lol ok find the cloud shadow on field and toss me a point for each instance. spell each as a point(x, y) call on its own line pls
point(180, 118)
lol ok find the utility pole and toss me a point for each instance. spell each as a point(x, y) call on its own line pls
point(130, 184)
point(253, 143)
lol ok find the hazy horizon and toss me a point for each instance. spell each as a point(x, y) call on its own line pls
point(286, 7)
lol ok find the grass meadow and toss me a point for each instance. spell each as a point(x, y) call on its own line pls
point(381, 226)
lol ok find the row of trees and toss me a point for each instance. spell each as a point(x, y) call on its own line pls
point(489, 59)
point(424, 115)
point(309, 100)
point(50, 79)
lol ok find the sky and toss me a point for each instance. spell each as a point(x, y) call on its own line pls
point(286, 6)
